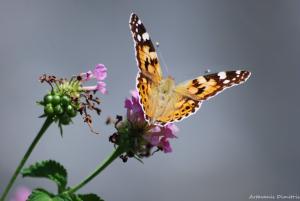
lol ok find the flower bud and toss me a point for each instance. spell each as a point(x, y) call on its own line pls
point(48, 109)
point(48, 99)
point(56, 100)
point(58, 110)
point(65, 100)
point(69, 96)
point(71, 111)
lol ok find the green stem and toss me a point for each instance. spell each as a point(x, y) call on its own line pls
point(115, 154)
point(46, 124)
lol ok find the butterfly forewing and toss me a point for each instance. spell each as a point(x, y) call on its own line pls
point(146, 55)
point(207, 86)
point(150, 73)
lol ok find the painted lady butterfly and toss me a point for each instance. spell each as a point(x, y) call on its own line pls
point(162, 100)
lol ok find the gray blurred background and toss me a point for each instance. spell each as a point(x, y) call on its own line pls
point(245, 141)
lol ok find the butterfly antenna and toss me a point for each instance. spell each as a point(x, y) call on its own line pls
point(162, 58)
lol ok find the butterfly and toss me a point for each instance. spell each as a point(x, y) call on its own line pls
point(162, 100)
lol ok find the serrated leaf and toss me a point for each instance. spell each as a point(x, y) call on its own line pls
point(90, 197)
point(48, 169)
point(42, 195)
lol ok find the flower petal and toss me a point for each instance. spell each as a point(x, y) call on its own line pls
point(128, 104)
point(100, 72)
point(154, 140)
point(87, 76)
point(170, 130)
point(101, 87)
point(135, 93)
point(165, 145)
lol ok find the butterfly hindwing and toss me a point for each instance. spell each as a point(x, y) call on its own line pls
point(179, 107)
point(207, 86)
point(145, 88)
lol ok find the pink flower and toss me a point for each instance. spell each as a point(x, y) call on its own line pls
point(99, 73)
point(21, 194)
point(156, 135)
point(99, 87)
point(135, 112)
point(164, 143)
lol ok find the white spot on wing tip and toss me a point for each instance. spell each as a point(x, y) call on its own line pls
point(226, 81)
point(222, 75)
point(139, 37)
point(145, 36)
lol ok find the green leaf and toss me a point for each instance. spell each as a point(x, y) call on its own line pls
point(48, 169)
point(90, 197)
point(42, 195)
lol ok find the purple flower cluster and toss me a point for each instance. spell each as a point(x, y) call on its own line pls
point(156, 135)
